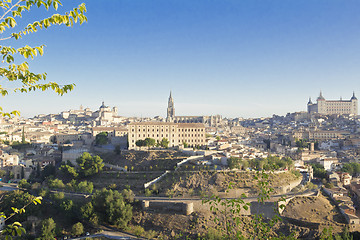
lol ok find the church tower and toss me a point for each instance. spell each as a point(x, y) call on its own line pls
point(170, 110)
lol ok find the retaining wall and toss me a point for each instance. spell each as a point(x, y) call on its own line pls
point(148, 184)
point(185, 208)
point(302, 223)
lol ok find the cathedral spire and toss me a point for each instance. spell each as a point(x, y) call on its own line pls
point(170, 109)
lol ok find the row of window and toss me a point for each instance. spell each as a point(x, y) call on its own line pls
point(181, 141)
point(189, 145)
point(166, 130)
point(166, 135)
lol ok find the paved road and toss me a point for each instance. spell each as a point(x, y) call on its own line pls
point(8, 187)
point(106, 234)
point(111, 233)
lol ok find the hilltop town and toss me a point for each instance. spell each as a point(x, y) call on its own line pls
point(168, 166)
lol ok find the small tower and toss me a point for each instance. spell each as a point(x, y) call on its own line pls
point(321, 104)
point(310, 102)
point(170, 110)
point(354, 104)
point(320, 96)
point(310, 106)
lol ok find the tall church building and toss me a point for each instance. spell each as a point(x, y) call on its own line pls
point(327, 107)
point(210, 121)
point(170, 110)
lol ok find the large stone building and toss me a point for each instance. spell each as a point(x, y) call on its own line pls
point(177, 133)
point(320, 135)
point(326, 107)
point(211, 121)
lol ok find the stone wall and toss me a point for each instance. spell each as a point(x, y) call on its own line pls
point(185, 208)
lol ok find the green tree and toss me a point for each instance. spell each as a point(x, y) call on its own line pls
point(68, 170)
point(112, 208)
point(352, 168)
point(85, 187)
point(86, 211)
point(49, 170)
point(56, 183)
point(164, 143)
point(77, 229)
point(101, 138)
point(16, 70)
point(140, 143)
point(58, 196)
point(89, 165)
point(319, 170)
point(24, 184)
point(149, 142)
point(66, 205)
point(47, 229)
point(234, 162)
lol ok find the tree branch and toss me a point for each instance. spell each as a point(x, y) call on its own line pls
point(16, 4)
point(2, 39)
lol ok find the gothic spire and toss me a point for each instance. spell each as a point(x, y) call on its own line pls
point(310, 102)
point(170, 109)
point(320, 96)
point(353, 96)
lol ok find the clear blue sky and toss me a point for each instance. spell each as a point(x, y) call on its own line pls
point(236, 58)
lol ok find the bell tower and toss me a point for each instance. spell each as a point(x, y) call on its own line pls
point(170, 110)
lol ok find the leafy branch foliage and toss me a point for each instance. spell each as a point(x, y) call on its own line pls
point(18, 71)
point(16, 198)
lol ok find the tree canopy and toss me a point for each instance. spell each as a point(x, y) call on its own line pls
point(14, 69)
point(164, 143)
point(147, 142)
point(351, 168)
point(101, 138)
point(89, 165)
point(48, 229)
point(112, 208)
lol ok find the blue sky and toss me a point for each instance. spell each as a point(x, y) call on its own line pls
point(236, 58)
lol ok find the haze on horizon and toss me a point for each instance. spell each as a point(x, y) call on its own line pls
point(234, 58)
